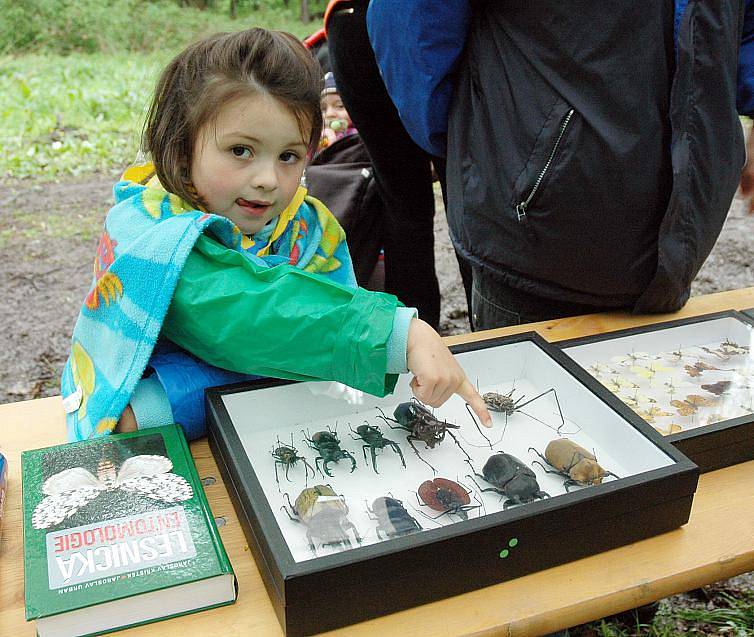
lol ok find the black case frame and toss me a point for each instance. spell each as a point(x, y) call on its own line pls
point(339, 589)
point(712, 446)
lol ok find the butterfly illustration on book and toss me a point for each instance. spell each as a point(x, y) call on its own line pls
point(691, 404)
point(69, 490)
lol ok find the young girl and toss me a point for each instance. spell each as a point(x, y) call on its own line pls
point(214, 262)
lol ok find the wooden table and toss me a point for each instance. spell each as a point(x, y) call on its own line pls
point(717, 543)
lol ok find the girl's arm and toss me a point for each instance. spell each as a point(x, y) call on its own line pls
point(287, 323)
point(281, 322)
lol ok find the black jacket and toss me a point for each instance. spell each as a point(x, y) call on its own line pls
point(590, 157)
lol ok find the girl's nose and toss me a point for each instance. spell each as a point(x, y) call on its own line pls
point(265, 178)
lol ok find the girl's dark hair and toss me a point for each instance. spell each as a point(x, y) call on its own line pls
point(212, 72)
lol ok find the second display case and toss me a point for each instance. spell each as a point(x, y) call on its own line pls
point(691, 379)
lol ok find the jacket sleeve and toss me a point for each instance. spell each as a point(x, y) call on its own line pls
point(745, 97)
point(417, 44)
point(280, 322)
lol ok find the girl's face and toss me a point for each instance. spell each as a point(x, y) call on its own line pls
point(332, 108)
point(247, 165)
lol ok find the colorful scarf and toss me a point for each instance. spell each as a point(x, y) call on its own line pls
point(148, 235)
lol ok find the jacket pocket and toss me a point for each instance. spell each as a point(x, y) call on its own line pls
point(529, 183)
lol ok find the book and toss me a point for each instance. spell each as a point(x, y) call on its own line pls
point(118, 532)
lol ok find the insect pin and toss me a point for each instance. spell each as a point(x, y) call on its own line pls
point(447, 497)
point(68, 491)
point(325, 515)
point(573, 462)
point(393, 520)
point(510, 478)
point(374, 440)
point(327, 445)
point(287, 456)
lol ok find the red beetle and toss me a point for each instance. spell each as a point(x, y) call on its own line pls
point(446, 496)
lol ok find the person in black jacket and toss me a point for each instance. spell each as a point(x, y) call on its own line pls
point(402, 170)
point(592, 150)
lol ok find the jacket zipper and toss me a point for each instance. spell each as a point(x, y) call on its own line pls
point(521, 207)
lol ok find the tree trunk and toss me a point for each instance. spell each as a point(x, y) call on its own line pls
point(305, 17)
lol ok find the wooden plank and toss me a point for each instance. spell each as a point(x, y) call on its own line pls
point(717, 543)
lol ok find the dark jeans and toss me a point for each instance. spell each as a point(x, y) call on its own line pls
point(494, 303)
point(401, 168)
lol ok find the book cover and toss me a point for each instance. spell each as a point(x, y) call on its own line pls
point(118, 528)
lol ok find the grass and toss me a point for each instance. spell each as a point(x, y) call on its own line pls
point(68, 115)
point(732, 616)
point(72, 113)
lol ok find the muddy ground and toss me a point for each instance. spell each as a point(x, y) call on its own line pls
point(48, 234)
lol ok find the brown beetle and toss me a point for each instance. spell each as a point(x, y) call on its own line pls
point(573, 462)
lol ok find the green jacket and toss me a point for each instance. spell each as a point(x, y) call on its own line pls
point(236, 315)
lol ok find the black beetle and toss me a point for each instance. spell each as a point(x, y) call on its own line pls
point(510, 478)
point(374, 440)
point(420, 424)
point(392, 517)
point(326, 443)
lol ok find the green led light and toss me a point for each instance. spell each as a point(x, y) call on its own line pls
point(504, 553)
point(513, 541)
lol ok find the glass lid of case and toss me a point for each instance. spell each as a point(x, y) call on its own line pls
point(678, 378)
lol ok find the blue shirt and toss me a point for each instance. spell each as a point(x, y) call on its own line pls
point(418, 43)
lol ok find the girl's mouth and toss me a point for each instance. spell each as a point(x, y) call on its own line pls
point(254, 208)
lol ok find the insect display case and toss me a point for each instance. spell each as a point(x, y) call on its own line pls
point(691, 379)
point(356, 506)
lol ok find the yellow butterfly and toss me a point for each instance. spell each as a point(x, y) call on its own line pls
point(691, 404)
point(653, 412)
point(650, 371)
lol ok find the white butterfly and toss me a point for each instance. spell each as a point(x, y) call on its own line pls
point(68, 491)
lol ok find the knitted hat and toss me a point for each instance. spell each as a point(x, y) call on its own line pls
point(330, 86)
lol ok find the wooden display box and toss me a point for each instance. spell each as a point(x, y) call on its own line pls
point(324, 585)
point(692, 379)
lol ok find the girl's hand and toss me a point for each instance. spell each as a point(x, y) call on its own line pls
point(437, 374)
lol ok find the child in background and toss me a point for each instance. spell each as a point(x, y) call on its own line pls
point(215, 262)
point(336, 124)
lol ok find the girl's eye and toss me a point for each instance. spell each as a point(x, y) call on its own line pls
point(241, 152)
point(289, 157)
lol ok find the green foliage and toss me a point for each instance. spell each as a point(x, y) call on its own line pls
point(89, 26)
point(737, 620)
point(75, 114)
point(78, 105)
